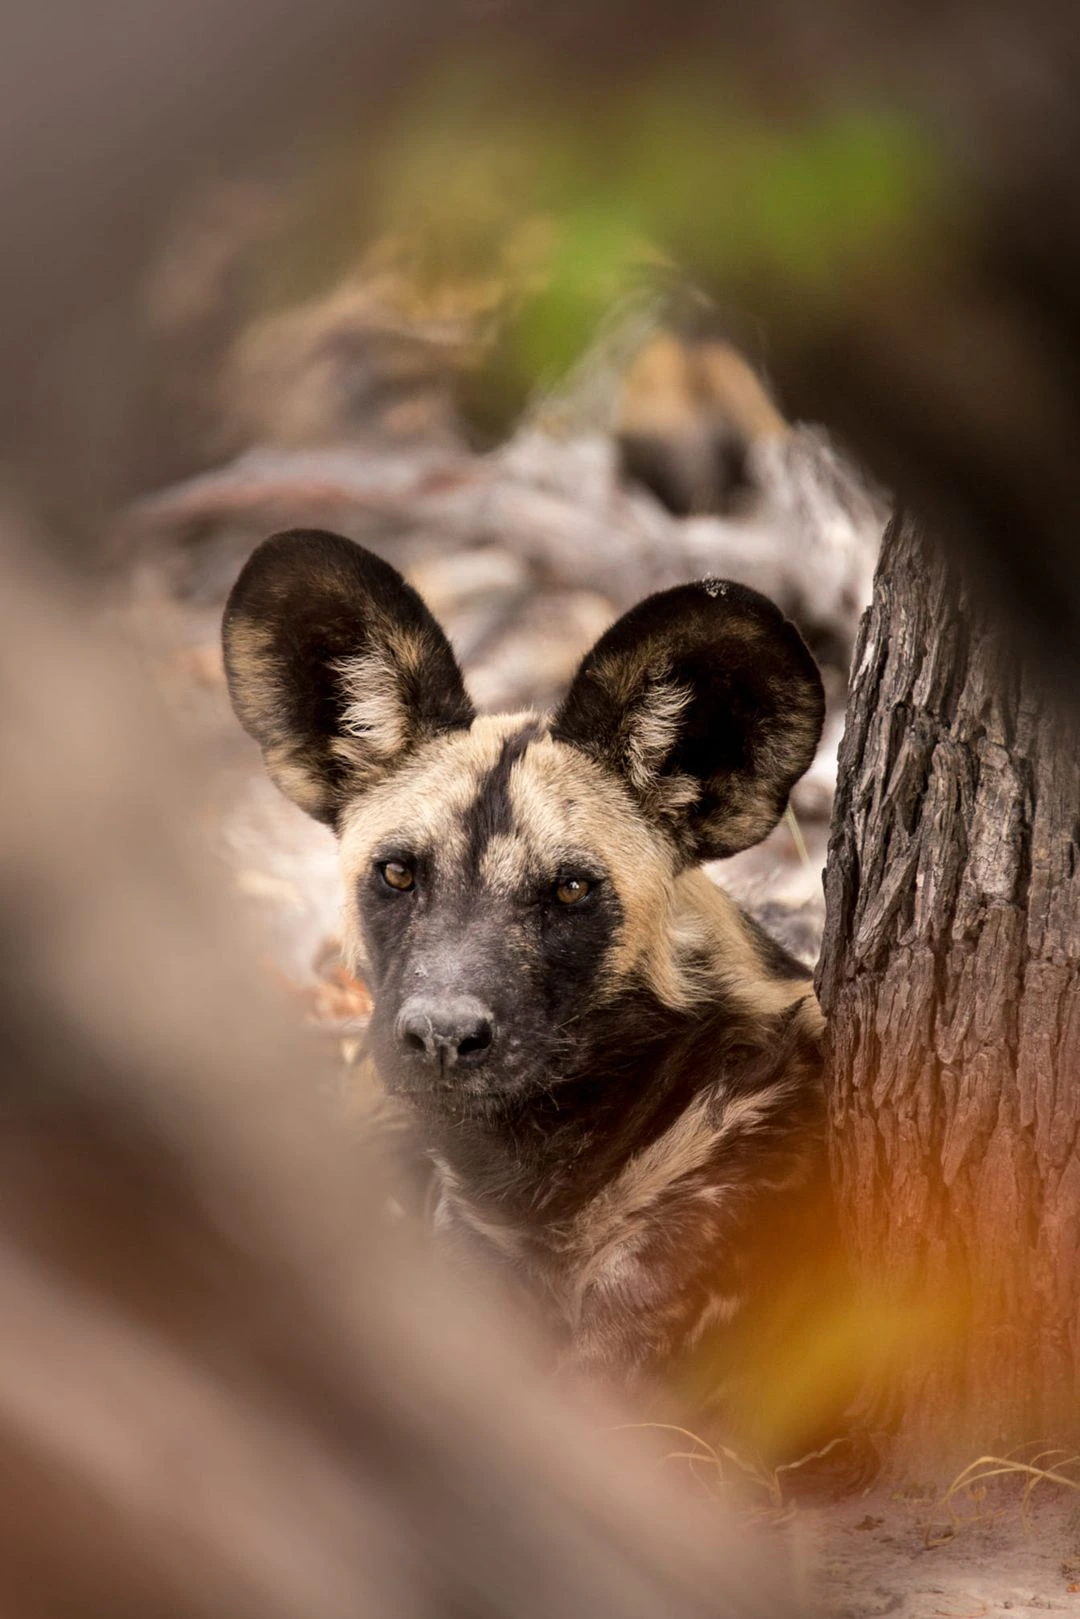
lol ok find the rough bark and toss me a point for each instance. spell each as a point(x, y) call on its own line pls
point(949, 974)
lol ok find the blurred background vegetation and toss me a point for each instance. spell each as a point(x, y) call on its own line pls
point(496, 231)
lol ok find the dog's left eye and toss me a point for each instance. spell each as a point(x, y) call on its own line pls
point(396, 874)
point(571, 890)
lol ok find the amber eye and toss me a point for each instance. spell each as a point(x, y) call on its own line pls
point(397, 875)
point(571, 889)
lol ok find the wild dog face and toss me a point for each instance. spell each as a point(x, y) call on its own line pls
point(509, 880)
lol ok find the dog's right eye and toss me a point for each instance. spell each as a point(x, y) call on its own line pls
point(572, 890)
point(397, 875)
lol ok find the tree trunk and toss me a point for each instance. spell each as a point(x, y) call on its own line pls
point(949, 975)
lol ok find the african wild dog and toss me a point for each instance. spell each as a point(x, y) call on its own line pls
point(212, 1407)
point(615, 1070)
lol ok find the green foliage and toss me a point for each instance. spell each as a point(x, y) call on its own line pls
point(682, 174)
point(529, 214)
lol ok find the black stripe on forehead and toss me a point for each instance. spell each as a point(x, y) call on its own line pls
point(489, 815)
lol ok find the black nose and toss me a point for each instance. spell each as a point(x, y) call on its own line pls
point(448, 1032)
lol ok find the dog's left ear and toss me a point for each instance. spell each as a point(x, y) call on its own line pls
point(707, 704)
point(335, 667)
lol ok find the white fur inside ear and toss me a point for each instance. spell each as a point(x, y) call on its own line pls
point(374, 713)
point(652, 730)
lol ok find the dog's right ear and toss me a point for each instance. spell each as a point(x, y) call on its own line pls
point(335, 667)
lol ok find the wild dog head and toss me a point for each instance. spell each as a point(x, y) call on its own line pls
point(510, 879)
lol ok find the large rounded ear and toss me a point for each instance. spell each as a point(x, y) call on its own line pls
point(708, 705)
point(335, 667)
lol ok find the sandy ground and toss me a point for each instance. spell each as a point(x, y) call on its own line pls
point(905, 1554)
